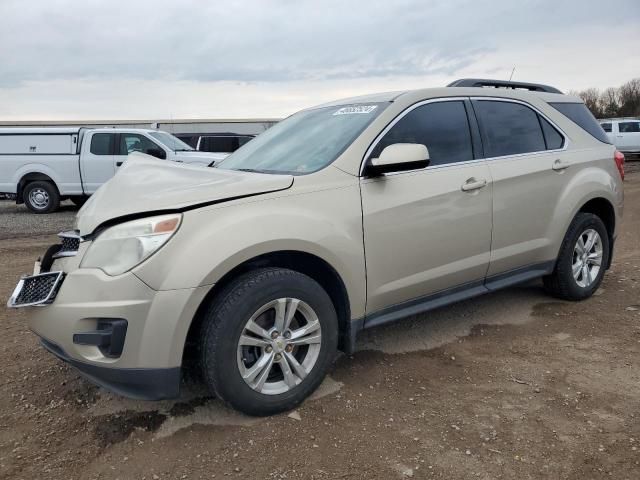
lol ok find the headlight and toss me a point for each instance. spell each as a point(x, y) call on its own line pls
point(122, 247)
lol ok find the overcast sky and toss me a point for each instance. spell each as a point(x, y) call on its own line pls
point(146, 59)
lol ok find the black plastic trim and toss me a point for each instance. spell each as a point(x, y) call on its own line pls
point(452, 295)
point(136, 383)
point(108, 337)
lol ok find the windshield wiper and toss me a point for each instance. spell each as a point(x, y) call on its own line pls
point(252, 170)
point(185, 150)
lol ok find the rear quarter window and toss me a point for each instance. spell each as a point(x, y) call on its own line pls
point(579, 114)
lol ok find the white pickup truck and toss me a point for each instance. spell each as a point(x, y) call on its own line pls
point(42, 166)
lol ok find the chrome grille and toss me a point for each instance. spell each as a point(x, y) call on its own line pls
point(70, 243)
point(36, 290)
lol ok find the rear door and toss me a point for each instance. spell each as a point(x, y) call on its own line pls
point(97, 162)
point(529, 166)
point(427, 230)
point(628, 136)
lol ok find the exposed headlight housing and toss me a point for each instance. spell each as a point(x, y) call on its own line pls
point(120, 248)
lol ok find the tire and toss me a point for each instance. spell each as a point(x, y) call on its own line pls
point(563, 283)
point(223, 360)
point(41, 197)
point(78, 201)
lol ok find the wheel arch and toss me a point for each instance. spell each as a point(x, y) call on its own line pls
point(603, 209)
point(303, 262)
point(32, 177)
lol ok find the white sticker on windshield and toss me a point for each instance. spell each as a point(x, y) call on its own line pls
point(356, 109)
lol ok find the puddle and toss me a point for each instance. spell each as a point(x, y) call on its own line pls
point(447, 324)
point(116, 417)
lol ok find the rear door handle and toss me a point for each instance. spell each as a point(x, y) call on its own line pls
point(119, 164)
point(473, 184)
point(559, 165)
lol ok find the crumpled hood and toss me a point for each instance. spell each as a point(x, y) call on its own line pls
point(146, 184)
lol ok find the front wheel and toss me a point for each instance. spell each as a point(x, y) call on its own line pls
point(268, 340)
point(583, 257)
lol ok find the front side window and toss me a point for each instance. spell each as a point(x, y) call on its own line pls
point(629, 127)
point(306, 141)
point(606, 127)
point(102, 144)
point(133, 142)
point(509, 128)
point(442, 127)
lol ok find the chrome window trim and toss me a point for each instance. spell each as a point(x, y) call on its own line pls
point(475, 160)
point(50, 297)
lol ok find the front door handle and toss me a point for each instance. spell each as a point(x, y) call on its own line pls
point(118, 164)
point(560, 165)
point(473, 184)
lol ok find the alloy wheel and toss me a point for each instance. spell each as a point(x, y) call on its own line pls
point(279, 346)
point(587, 258)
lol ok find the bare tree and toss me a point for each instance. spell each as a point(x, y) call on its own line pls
point(609, 102)
point(629, 94)
point(591, 98)
point(613, 102)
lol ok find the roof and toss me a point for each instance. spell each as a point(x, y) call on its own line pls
point(427, 93)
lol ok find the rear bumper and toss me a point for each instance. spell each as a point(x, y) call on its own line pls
point(137, 383)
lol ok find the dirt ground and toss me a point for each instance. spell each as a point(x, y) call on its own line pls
point(512, 385)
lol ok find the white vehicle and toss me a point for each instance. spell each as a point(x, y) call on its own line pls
point(42, 166)
point(624, 133)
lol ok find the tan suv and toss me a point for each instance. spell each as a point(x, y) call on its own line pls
point(340, 218)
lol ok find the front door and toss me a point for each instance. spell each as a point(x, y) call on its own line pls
point(427, 231)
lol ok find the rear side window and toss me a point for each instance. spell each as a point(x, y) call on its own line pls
point(102, 143)
point(509, 128)
point(580, 115)
point(629, 127)
point(552, 137)
point(226, 144)
point(606, 127)
point(442, 127)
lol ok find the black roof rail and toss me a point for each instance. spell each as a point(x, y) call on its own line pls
point(482, 82)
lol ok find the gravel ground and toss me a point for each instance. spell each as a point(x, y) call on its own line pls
point(18, 222)
point(512, 385)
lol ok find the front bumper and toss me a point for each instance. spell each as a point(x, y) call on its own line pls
point(136, 383)
point(148, 364)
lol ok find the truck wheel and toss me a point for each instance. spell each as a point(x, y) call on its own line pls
point(583, 257)
point(41, 197)
point(268, 340)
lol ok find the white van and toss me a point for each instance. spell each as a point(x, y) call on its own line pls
point(624, 133)
point(42, 166)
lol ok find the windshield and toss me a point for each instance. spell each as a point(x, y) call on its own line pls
point(169, 141)
point(305, 142)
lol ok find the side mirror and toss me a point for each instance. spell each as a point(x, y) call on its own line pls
point(157, 152)
point(399, 157)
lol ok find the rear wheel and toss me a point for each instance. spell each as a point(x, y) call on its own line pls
point(268, 340)
point(583, 257)
point(41, 197)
